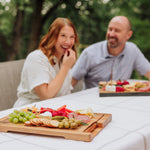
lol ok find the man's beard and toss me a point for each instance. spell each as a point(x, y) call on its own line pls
point(112, 44)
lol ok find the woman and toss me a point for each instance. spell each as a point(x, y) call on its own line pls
point(46, 72)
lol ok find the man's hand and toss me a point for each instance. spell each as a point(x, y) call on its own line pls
point(147, 75)
point(74, 82)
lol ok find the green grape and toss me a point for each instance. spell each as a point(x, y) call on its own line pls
point(30, 113)
point(25, 113)
point(34, 115)
point(11, 115)
point(20, 116)
point(24, 120)
point(21, 113)
point(16, 111)
point(17, 116)
point(21, 119)
point(10, 119)
point(31, 117)
point(27, 116)
point(15, 120)
point(14, 115)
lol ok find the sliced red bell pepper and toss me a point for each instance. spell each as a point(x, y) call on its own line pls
point(59, 113)
point(62, 107)
point(43, 109)
point(68, 110)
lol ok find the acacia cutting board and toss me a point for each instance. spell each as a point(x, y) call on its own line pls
point(82, 133)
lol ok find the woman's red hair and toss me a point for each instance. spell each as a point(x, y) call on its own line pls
point(47, 43)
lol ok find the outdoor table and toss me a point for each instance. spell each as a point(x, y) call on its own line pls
point(128, 130)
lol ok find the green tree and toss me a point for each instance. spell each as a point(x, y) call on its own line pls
point(24, 22)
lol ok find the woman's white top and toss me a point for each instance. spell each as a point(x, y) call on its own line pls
point(36, 71)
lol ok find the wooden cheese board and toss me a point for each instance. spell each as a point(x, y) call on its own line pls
point(124, 88)
point(110, 94)
point(82, 133)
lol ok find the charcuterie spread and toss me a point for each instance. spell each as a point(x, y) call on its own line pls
point(59, 122)
point(48, 117)
point(124, 88)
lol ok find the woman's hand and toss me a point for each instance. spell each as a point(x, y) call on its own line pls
point(69, 58)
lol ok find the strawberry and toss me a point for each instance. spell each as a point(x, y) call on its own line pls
point(119, 89)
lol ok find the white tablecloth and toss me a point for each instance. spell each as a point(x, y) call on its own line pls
point(128, 130)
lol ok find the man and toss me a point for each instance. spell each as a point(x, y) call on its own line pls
point(114, 58)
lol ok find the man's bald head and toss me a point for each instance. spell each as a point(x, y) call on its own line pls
point(123, 20)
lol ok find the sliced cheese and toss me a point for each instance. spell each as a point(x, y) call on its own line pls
point(46, 114)
point(110, 88)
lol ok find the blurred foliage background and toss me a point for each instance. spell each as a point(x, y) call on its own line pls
point(24, 22)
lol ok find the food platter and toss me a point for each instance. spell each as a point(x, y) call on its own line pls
point(110, 94)
point(133, 88)
point(82, 133)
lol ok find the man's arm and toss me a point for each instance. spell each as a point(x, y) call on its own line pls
point(147, 75)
